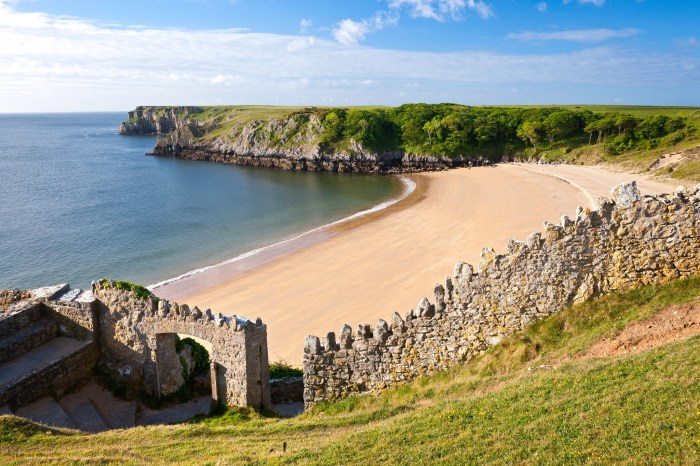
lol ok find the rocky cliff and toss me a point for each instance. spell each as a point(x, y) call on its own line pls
point(156, 120)
point(289, 141)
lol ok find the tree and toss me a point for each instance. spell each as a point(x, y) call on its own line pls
point(560, 123)
point(431, 127)
point(530, 131)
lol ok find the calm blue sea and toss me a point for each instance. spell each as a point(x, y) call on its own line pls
point(78, 202)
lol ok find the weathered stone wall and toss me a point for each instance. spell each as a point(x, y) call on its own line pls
point(133, 342)
point(56, 379)
point(19, 316)
point(76, 320)
point(287, 390)
point(628, 242)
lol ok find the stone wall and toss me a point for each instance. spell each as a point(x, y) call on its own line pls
point(136, 348)
point(287, 390)
point(56, 379)
point(77, 320)
point(625, 243)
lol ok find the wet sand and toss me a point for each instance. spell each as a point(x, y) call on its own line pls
point(365, 269)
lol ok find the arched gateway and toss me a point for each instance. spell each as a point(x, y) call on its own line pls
point(137, 338)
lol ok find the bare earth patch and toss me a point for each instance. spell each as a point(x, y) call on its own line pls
point(672, 160)
point(672, 324)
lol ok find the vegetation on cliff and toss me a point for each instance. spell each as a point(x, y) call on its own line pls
point(575, 134)
point(536, 398)
point(140, 291)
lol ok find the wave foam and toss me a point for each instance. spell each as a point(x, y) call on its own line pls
point(409, 187)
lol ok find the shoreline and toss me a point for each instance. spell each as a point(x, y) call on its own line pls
point(387, 261)
point(303, 240)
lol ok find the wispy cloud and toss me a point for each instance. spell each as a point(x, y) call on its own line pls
point(305, 25)
point(52, 63)
point(575, 35)
point(348, 31)
point(688, 42)
point(440, 10)
point(588, 2)
point(541, 7)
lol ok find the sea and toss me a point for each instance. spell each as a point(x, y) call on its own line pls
point(78, 202)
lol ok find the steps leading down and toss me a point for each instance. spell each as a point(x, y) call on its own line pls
point(36, 334)
point(44, 370)
point(46, 411)
point(115, 413)
point(83, 413)
point(91, 408)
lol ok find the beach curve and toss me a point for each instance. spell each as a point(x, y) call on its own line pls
point(389, 260)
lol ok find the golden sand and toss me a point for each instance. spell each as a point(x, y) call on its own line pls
point(366, 269)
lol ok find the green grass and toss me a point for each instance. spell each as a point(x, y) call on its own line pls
point(229, 121)
point(282, 369)
point(641, 409)
point(140, 291)
point(636, 110)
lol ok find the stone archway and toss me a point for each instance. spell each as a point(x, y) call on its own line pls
point(133, 328)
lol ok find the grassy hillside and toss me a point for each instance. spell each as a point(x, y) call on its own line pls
point(632, 136)
point(636, 110)
point(530, 400)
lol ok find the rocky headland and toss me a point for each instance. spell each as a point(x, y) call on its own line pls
point(421, 137)
point(290, 140)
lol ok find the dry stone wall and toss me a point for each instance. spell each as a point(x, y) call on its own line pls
point(137, 342)
point(626, 242)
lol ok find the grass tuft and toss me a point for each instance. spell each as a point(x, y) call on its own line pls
point(529, 400)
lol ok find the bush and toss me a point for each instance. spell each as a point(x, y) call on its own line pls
point(140, 291)
point(282, 369)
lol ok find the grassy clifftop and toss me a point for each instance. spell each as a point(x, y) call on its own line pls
point(540, 397)
point(634, 136)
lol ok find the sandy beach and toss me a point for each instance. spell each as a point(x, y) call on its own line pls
point(366, 269)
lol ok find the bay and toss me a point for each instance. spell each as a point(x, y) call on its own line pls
point(79, 202)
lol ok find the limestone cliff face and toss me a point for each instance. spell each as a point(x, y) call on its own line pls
point(290, 142)
point(156, 120)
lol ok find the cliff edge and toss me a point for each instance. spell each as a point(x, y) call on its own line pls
point(279, 137)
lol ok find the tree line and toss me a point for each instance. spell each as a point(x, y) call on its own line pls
point(455, 130)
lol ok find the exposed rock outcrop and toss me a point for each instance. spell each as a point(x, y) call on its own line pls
point(156, 120)
point(292, 142)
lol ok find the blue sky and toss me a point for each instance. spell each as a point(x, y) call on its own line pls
point(75, 55)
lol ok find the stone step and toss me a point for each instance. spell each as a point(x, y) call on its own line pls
point(50, 292)
point(50, 368)
point(33, 336)
point(83, 412)
point(175, 414)
point(46, 411)
point(20, 316)
point(68, 294)
point(116, 413)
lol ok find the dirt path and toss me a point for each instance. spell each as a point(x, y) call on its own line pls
point(674, 323)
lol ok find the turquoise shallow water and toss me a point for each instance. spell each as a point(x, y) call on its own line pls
point(79, 202)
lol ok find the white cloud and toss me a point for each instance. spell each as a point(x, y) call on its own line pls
point(440, 10)
point(348, 31)
point(575, 35)
point(589, 2)
point(541, 7)
point(352, 32)
point(59, 64)
point(304, 25)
